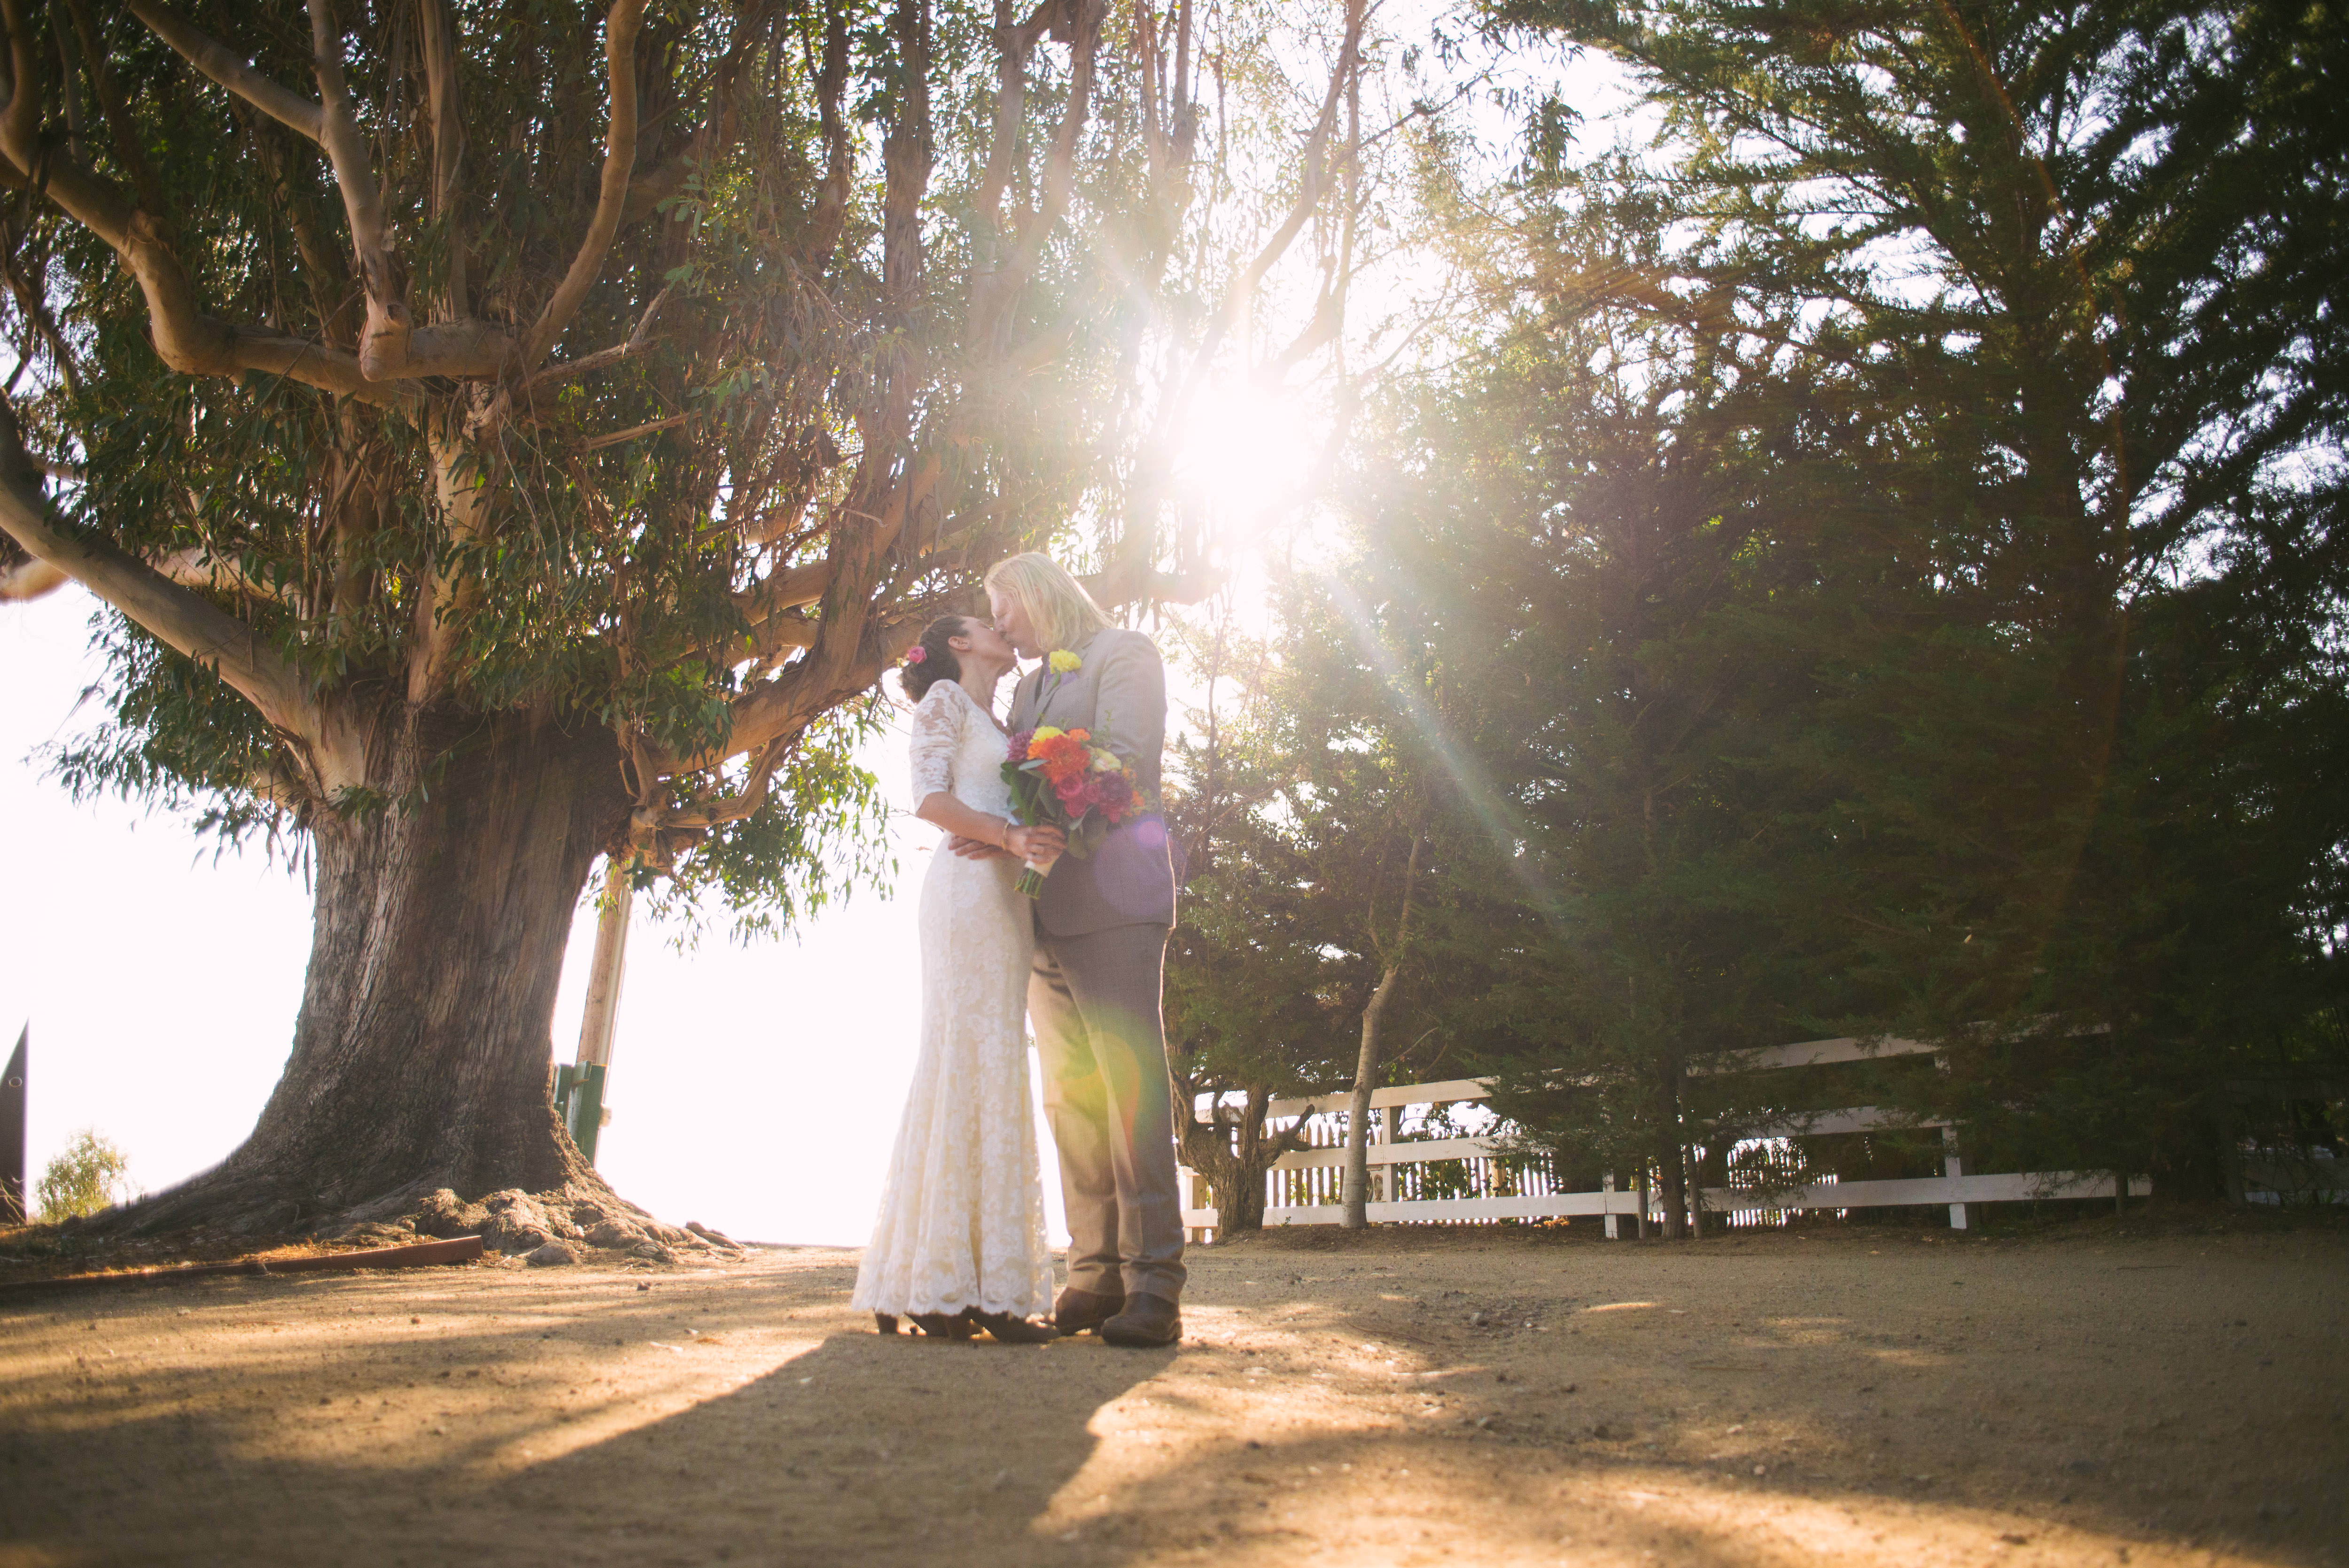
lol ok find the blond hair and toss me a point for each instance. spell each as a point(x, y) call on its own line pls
point(1058, 607)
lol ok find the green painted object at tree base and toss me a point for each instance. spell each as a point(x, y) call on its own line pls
point(579, 1096)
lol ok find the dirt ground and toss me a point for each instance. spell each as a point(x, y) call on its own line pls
point(2089, 1397)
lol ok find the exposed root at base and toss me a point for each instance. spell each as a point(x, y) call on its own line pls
point(189, 1224)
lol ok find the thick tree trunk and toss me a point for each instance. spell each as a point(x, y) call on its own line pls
point(420, 1057)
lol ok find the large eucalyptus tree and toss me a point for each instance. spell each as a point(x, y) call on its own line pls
point(513, 432)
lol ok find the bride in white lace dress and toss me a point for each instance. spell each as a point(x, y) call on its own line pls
point(959, 1244)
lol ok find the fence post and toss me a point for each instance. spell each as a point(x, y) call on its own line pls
point(1606, 1184)
point(1953, 1164)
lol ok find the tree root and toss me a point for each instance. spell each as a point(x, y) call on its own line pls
point(208, 1212)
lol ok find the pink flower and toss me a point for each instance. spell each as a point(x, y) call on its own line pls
point(917, 654)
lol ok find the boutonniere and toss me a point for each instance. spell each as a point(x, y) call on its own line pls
point(1064, 663)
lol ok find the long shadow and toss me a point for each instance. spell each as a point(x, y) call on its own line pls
point(862, 1450)
point(865, 1449)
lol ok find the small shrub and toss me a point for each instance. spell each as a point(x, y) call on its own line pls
point(89, 1175)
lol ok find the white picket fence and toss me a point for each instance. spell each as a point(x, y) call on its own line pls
point(1309, 1178)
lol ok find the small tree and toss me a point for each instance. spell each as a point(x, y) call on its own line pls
point(1246, 1014)
point(88, 1174)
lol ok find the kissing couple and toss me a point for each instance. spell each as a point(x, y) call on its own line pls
point(959, 1243)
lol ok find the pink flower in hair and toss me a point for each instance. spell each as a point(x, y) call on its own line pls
point(917, 654)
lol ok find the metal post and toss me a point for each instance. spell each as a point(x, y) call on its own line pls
point(12, 1207)
point(579, 1089)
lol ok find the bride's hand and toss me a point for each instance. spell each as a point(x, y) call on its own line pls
point(1038, 846)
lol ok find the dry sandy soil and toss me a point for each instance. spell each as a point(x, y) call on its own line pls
point(1468, 1398)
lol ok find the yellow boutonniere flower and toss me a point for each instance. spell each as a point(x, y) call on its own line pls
point(1063, 661)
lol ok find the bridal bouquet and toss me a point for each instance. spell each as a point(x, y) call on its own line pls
point(1061, 779)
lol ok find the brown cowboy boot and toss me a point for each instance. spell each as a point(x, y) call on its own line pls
point(1078, 1310)
point(1147, 1323)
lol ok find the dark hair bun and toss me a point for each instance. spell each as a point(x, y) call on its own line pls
point(937, 661)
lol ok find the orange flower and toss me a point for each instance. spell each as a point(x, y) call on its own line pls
point(1062, 755)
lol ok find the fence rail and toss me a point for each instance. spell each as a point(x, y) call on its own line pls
point(1313, 1173)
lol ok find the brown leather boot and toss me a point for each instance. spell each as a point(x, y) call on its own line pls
point(1078, 1310)
point(1147, 1323)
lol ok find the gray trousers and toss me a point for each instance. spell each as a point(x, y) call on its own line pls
point(1100, 1038)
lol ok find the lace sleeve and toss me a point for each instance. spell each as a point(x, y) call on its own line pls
point(937, 735)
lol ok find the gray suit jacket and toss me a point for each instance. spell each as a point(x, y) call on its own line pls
point(1119, 693)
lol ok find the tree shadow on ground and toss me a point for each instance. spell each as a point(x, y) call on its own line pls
point(864, 1450)
point(858, 1448)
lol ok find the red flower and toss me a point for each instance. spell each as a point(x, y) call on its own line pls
point(1113, 794)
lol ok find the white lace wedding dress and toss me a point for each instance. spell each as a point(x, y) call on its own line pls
point(962, 1218)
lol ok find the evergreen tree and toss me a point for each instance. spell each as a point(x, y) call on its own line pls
point(2069, 664)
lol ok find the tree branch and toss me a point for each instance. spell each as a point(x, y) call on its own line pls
point(637, 343)
point(384, 346)
point(1308, 196)
point(791, 589)
point(824, 223)
point(216, 60)
point(128, 146)
point(614, 437)
point(27, 577)
point(448, 596)
point(439, 38)
point(197, 568)
point(620, 26)
point(179, 617)
point(187, 339)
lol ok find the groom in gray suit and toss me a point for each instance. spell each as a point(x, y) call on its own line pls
point(1101, 951)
